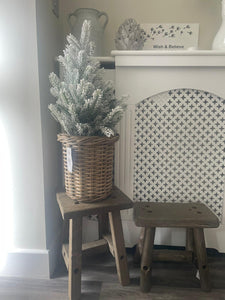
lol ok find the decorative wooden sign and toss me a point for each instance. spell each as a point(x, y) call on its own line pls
point(175, 36)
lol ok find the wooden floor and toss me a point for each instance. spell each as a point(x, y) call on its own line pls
point(99, 281)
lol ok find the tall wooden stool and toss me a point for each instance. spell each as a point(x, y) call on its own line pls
point(193, 216)
point(72, 252)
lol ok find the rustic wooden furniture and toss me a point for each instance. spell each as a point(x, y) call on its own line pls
point(73, 212)
point(193, 216)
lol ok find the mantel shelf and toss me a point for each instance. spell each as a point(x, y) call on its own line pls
point(168, 53)
point(179, 58)
point(107, 62)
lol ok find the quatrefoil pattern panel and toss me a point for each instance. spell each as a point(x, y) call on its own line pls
point(179, 151)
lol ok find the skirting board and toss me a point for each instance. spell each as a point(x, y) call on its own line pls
point(33, 263)
point(27, 263)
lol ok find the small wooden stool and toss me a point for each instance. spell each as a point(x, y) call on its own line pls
point(193, 216)
point(72, 252)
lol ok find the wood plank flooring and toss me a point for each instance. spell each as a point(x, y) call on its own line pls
point(171, 281)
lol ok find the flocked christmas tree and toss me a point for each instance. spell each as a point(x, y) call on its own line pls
point(86, 104)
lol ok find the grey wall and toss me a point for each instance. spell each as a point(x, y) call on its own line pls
point(49, 44)
point(29, 42)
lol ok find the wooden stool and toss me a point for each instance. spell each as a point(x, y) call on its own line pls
point(72, 252)
point(193, 216)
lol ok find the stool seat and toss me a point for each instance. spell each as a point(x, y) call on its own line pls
point(73, 249)
point(70, 209)
point(192, 216)
point(158, 214)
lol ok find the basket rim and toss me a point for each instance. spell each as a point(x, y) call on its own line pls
point(81, 140)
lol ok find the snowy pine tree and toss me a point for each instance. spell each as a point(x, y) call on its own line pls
point(86, 104)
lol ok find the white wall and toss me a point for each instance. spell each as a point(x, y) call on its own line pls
point(20, 115)
point(31, 134)
point(205, 12)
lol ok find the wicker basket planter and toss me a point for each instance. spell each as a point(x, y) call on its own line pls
point(91, 176)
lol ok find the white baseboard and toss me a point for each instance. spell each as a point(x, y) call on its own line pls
point(27, 263)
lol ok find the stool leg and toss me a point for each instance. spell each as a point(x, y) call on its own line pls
point(119, 248)
point(146, 260)
point(103, 225)
point(189, 239)
point(139, 247)
point(65, 232)
point(190, 245)
point(75, 258)
point(202, 259)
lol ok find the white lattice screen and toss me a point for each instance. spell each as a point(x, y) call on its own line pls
point(180, 148)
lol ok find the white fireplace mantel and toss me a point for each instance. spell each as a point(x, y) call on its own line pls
point(142, 74)
point(182, 58)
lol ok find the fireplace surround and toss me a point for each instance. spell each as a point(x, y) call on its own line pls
point(146, 74)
